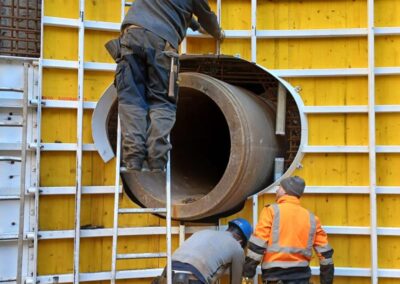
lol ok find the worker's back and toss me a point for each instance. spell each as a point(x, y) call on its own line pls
point(170, 19)
point(210, 252)
point(291, 234)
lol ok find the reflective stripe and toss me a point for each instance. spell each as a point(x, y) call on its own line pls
point(257, 241)
point(284, 264)
point(275, 247)
point(311, 234)
point(275, 225)
point(322, 249)
point(257, 257)
point(326, 261)
point(290, 250)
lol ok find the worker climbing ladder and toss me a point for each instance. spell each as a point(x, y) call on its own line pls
point(167, 210)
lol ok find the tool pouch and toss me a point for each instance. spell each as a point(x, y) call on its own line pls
point(114, 48)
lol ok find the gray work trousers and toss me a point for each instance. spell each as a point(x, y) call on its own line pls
point(146, 111)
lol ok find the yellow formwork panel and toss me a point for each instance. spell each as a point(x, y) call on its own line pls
point(338, 129)
point(312, 53)
point(287, 14)
point(387, 90)
point(388, 210)
point(387, 52)
point(230, 11)
point(61, 8)
point(60, 84)
point(95, 83)
point(237, 47)
point(388, 169)
point(201, 46)
point(60, 43)
point(103, 10)
point(54, 118)
point(388, 129)
point(332, 90)
point(94, 46)
point(335, 169)
point(389, 252)
point(387, 13)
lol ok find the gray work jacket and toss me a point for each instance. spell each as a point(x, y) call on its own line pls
point(211, 253)
point(169, 19)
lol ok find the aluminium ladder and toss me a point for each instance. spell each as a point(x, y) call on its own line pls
point(10, 103)
point(117, 211)
point(167, 210)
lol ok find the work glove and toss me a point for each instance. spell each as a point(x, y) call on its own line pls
point(249, 268)
point(326, 273)
point(246, 280)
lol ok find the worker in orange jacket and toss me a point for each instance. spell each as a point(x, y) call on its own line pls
point(284, 238)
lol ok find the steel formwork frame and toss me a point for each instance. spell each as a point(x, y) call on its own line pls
point(372, 149)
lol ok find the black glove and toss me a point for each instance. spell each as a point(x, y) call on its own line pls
point(326, 273)
point(250, 267)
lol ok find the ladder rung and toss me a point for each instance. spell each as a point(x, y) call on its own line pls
point(10, 123)
point(9, 197)
point(10, 158)
point(140, 255)
point(141, 210)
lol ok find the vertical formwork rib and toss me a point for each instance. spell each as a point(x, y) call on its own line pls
point(23, 176)
point(254, 59)
point(218, 43)
point(78, 183)
point(372, 142)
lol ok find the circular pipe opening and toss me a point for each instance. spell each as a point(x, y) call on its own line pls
point(201, 146)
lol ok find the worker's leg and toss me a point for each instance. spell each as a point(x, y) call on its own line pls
point(162, 108)
point(130, 82)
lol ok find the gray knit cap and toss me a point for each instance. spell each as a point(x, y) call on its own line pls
point(293, 186)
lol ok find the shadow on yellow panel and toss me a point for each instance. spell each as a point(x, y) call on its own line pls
point(201, 46)
point(95, 172)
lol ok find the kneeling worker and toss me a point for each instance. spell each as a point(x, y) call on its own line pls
point(204, 257)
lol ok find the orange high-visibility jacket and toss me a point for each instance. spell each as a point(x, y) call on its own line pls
point(287, 232)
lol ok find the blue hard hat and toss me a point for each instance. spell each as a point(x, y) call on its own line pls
point(243, 225)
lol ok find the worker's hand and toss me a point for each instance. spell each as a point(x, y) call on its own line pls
point(247, 280)
point(221, 36)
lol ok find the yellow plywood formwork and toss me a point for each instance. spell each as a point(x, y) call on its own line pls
point(319, 169)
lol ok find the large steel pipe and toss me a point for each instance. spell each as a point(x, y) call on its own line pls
point(224, 147)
